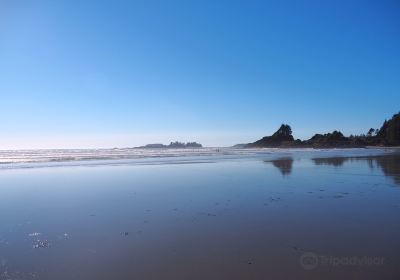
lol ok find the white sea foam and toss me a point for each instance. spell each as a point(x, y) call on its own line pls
point(44, 158)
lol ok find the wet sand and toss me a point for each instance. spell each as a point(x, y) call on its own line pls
point(284, 217)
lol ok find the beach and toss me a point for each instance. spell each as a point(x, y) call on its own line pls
point(200, 214)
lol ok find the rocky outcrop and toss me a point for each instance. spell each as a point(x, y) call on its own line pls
point(387, 135)
point(283, 136)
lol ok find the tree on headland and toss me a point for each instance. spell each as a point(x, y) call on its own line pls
point(282, 136)
point(193, 145)
point(284, 131)
point(370, 132)
point(176, 144)
point(387, 135)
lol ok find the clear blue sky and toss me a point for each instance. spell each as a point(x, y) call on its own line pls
point(126, 73)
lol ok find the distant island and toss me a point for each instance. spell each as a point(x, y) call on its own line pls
point(387, 135)
point(172, 145)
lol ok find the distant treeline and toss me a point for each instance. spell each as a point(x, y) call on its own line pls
point(174, 145)
point(387, 135)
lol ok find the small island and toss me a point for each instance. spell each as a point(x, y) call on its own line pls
point(172, 145)
point(387, 135)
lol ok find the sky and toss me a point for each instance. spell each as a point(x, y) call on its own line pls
point(92, 74)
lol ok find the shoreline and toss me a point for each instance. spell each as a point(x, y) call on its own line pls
point(101, 157)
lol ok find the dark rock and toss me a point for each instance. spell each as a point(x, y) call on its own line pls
point(283, 136)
